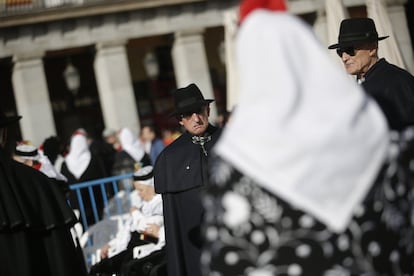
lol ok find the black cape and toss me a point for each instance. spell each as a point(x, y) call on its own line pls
point(180, 174)
point(393, 90)
point(35, 222)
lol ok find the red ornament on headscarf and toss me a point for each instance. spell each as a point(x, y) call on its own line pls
point(248, 6)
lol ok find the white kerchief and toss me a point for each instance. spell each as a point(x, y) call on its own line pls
point(48, 169)
point(302, 128)
point(131, 144)
point(79, 156)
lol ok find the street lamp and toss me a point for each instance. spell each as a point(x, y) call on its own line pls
point(150, 63)
point(72, 78)
point(221, 50)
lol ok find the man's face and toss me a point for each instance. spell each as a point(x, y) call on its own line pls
point(196, 122)
point(358, 59)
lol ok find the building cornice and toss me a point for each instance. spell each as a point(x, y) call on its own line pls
point(85, 10)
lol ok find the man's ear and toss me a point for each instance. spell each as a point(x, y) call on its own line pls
point(373, 52)
point(373, 49)
point(208, 110)
point(181, 122)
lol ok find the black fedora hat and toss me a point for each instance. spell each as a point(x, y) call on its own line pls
point(356, 30)
point(7, 120)
point(188, 99)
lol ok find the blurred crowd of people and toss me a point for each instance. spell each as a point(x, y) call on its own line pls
point(85, 158)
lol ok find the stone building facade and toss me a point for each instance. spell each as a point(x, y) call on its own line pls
point(113, 45)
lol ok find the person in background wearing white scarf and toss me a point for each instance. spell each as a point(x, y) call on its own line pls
point(29, 155)
point(306, 180)
point(81, 165)
point(132, 155)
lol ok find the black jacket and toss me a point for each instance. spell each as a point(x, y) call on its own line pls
point(393, 89)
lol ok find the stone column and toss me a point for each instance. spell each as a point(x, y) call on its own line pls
point(190, 64)
point(115, 86)
point(400, 27)
point(320, 27)
point(230, 19)
point(32, 98)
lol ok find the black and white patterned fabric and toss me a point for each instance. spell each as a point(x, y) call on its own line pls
point(249, 231)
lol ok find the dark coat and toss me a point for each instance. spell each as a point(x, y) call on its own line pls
point(393, 89)
point(35, 222)
point(95, 170)
point(180, 175)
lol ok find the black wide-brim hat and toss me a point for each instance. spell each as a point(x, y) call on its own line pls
point(188, 99)
point(7, 120)
point(356, 30)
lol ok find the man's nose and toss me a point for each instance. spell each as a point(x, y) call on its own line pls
point(195, 116)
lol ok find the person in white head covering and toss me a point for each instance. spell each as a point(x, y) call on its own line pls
point(142, 232)
point(302, 183)
point(29, 155)
point(132, 155)
point(81, 165)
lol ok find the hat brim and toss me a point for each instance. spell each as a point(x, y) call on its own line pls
point(351, 43)
point(9, 120)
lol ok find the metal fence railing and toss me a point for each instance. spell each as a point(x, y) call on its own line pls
point(87, 197)
point(100, 205)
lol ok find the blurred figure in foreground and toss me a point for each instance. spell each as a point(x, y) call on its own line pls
point(35, 221)
point(313, 187)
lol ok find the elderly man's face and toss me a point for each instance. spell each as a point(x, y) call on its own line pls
point(359, 58)
point(196, 122)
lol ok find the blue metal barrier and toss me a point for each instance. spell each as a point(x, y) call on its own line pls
point(102, 183)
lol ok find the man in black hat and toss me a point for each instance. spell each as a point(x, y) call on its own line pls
point(180, 175)
point(391, 86)
point(35, 220)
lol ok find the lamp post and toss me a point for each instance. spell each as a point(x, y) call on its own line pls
point(221, 50)
point(150, 63)
point(72, 78)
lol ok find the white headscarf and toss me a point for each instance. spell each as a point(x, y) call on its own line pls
point(301, 128)
point(48, 169)
point(144, 176)
point(79, 155)
point(131, 144)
